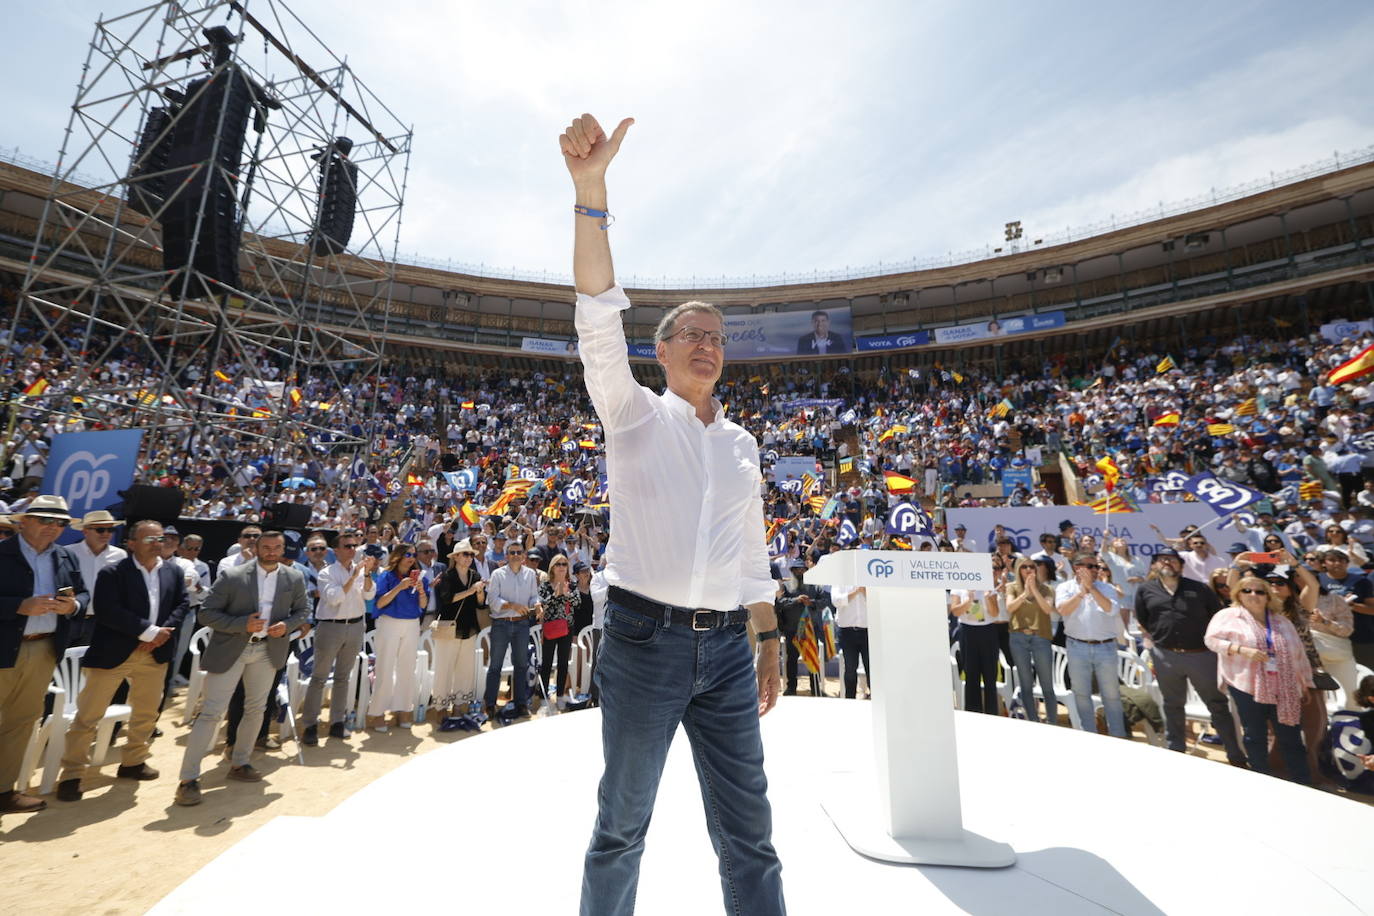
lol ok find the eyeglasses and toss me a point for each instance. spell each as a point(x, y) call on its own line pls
point(347, 547)
point(51, 522)
point(153, 539)
point(1253, 591)
point(515, 553)
point(103, 529)
point(316, 549)
point(249, 537)
point(1088, 566)
point(411, 554)
point(468, 555)
point(697, 335)
point(1277, 583)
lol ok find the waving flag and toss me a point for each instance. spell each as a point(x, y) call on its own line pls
point(466, 405)
point(791, 486)
point(898, 483)
point(846, 465)
point(466, 479)
point(1113, 503)
point(847, 534)
point(831, 506)
point(777, 546)
point(1223, 496)
point(1310, 490)
point(1165, 365)
point(806, 645)
point(1247, 408)
point(1168, 419)
point(1360, 366)
point(908, 519)
point(1220, 429)
point(809, 483)
point(575, 492)
point(414, 480)
point(469, 514)
point(849, 417)
point(1110, 472)
point(222, 377)
point(817, 503)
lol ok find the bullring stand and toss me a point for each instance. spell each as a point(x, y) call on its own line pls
point(913, 812)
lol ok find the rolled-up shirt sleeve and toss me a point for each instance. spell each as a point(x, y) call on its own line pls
point(756, 583)
point(620, 401)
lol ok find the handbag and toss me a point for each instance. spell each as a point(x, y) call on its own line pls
point(446, 629)
point(556, 629)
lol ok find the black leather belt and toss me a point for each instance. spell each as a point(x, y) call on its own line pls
point(1092, 642)
point(699, 618)
point(349, 620)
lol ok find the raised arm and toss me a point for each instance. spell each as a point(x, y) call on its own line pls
point(587, 151)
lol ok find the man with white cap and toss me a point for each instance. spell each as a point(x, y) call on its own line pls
point(41, 589)
point(94, 552)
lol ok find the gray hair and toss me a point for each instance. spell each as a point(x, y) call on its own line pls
point(665, 326)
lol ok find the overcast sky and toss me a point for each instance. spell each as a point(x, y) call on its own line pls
point(796, 136)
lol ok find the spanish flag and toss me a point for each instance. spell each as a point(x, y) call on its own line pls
point(1110, 472)
point(586, 443)
point(898, 483)
point(887, 434)
point(468, 514)
point(1360, 366)
point(1165, 365)
point(1220, 429)
point(467, 405)
point(1168, 419)
point(413, 480)
point(900, 428)
point(39, 386)
point(222, 377)
point(957, 377)
point(295, 395)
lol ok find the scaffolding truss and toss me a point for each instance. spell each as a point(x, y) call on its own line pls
point(236, 351)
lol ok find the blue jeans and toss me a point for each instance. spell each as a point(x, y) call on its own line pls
point(1033, 657)
point(1255, 720)
point(1085, 660)
point(516, 635)
point(652, 676)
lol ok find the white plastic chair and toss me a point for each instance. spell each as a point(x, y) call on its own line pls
point(424, 670)
point(1135, 673)
point(199, 641)
point(295, 683)
point(366, 658)
point(956, 684)
point(1061, 687)
point(580, 665)
point(38, 740)
point(69, 678)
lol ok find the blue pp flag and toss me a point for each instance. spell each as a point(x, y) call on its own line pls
point(908, 519)
point(466, 479)
point(1223, 496)
point(848, 534)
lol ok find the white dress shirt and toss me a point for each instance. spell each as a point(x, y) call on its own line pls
point(267, 595)
point(851, 610)
point(1089, 622)
point(337, 604)
point(686, 503)
point(984, 610)
point(92, 563)
point(150, 577)
point(1199, 568)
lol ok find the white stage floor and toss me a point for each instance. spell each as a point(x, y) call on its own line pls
point(498, 823)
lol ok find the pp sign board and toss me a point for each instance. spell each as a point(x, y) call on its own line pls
point(89, 469)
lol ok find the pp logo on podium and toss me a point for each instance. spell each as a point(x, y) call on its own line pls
point(880, 569)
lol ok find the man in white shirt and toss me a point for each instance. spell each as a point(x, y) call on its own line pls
point(242, 552)
point(513, 596)
point(687, 557)
point(1200, 561)
point(94, 552)
point(851, 619)
point(346, 585)
point(1091, 615)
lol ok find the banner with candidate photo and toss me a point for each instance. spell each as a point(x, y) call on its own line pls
point(818, 332)
point(993, 328)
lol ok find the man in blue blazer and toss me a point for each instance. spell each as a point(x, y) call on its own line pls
point(41, 592)
point(140, 603)
point(252, 608)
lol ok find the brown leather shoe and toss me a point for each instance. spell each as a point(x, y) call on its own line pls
point(69, 790)
point(188, 793)
point(13, 802)
point(137, 771)
point(245, 773)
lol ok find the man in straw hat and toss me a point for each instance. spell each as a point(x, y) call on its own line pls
point(94, 552)
point(41, 589)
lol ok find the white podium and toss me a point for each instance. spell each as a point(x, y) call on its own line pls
point(914, 813)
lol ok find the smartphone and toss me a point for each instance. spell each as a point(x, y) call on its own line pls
point(1272, 557)
point(66, 591)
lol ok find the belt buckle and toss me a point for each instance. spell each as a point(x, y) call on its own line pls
point(696, 615)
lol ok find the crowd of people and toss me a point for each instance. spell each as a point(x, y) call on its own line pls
point(423, 529)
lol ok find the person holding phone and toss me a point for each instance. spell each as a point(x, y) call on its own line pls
point(402, 599)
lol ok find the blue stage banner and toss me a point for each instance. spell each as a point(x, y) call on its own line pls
point(1000, 327)
point(643, 351)
point(895, 341)
point(1014, 477)
point(819, 332)
point(89, 469)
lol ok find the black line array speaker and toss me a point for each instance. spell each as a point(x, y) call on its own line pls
point(338, 198)
point(214, 250)
point(288, 515)
point(145, 501)
point(154, 145)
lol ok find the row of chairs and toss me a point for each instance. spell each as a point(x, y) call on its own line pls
point(48, 739)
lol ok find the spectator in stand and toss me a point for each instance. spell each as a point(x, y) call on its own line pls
point(1174, 611)
point(142, 602)
point(340, 628)
point(1264, 668)
point(41, 593)
point(242, 552)
point(513, 595)
point(94, 552)
point(851, 619)
point(1091, 615)
point(558, 595)
point(252, 609)
point(402, 599)
point(1336, 536)
point(1357, 592)
point(976, 612)
point(458, 593)
point(1200, 560)
point(1030, 604)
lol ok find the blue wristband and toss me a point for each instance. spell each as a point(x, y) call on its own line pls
point(603, 215)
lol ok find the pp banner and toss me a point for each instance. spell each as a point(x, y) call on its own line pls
point(1000, 327)
point(1024, 526)
point(89, 469)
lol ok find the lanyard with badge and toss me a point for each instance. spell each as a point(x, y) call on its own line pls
point(1271, 663)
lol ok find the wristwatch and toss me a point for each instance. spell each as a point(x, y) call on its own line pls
point(769, 634)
